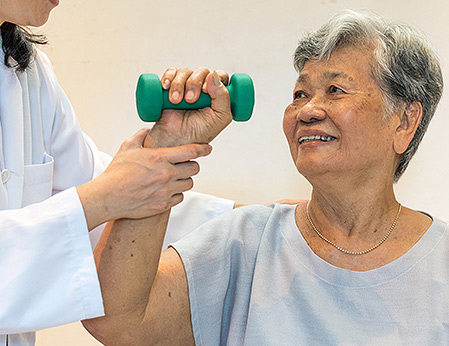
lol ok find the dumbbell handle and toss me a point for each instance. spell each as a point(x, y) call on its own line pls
point(151, 99)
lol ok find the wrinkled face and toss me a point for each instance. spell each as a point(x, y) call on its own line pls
point(336, 121)
point(26, 12)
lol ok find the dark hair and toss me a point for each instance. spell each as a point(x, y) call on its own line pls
point(17, 43)
point(406, 68)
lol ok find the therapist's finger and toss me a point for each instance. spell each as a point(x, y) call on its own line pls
point(187, 152)
point(183, 185)
point(176, 199)
point(185, 170)
point(136, 140)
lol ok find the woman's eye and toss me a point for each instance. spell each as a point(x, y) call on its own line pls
point(299, 94)
point(334, 89)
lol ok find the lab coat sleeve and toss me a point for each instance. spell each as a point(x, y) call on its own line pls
point(48, 275)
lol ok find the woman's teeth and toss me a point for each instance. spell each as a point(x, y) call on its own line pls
point(305, 139)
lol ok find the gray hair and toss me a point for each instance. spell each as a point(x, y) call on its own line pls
point(405, 67)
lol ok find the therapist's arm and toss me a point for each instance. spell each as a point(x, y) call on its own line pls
point(139, 182)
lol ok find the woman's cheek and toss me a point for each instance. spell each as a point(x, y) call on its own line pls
point(289, 122)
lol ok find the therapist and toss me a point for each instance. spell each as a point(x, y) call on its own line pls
point(47, 270)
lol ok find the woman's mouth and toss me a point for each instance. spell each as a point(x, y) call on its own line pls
point(305, 139)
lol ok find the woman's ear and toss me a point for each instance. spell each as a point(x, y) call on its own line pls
point(410, 119)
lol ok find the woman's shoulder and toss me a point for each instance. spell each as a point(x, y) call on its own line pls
point(261, 211)
point(251, 221)
point(238, 232)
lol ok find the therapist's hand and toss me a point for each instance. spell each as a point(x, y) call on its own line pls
point(180, 127)
point(140, 182)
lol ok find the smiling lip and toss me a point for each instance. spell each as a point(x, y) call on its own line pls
point(315, 137)
point(54, 2)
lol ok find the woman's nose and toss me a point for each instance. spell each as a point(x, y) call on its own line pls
point(313, 110)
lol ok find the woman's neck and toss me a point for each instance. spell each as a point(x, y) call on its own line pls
point(351, 207)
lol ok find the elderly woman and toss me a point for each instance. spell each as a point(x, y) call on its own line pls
point(56, 187)
point(349, 267)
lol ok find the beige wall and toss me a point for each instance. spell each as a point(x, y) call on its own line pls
point(100, 47)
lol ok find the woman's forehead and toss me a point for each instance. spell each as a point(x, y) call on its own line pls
point(349, 63)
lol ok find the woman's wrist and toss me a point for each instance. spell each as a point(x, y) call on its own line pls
point(159, 138)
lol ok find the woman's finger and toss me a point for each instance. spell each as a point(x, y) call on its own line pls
point(220, 101)
point(195, 83)
point(177, 86)
point(224, 77)
point(167, 77)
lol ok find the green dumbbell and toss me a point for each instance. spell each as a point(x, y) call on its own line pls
point(151, 99)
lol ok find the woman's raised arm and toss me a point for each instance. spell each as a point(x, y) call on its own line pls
point(145, 293)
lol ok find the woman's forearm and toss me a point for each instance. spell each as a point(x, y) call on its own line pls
point(127, 258)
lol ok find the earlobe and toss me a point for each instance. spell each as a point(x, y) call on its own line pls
point(410, 119)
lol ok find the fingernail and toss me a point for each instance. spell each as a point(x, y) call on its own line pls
point(217, 80)
point(189, 95)
point(166, 84)
point(175, 96)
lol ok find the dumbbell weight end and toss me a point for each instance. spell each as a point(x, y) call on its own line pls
point(151, 99)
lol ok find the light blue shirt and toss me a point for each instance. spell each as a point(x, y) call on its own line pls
point(253, 280)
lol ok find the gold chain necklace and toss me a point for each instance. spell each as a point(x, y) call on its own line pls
point(354, 252)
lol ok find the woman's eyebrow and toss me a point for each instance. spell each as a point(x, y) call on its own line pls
point(302, 78)
point(330, 75)
point(337, 75)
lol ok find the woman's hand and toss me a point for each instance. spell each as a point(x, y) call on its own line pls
point(180, 127)
point(140, 182)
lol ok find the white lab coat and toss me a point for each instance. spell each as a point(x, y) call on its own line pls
point(47, 270)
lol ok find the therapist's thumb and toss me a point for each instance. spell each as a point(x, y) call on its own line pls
point(137, 140)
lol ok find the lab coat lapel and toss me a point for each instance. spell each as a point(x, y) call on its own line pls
point(12, 127)
point(3, 191)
